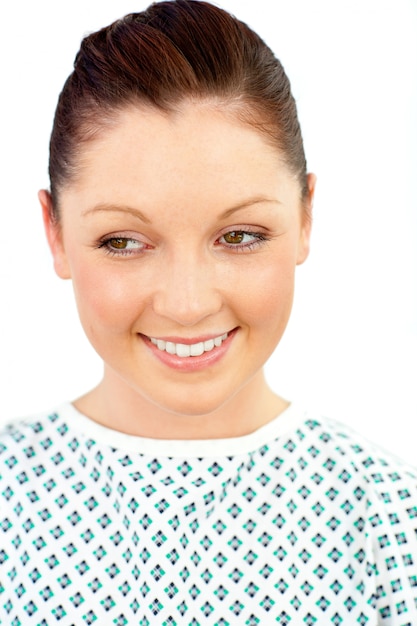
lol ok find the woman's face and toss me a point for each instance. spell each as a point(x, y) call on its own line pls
point(181, 235)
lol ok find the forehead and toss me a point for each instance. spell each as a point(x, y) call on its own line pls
point(198, 150)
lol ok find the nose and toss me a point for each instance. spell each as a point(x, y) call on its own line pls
point(187, 291)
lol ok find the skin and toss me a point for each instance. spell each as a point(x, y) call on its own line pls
point(165, 186)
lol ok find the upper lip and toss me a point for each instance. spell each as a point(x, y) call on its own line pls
point(189, 341)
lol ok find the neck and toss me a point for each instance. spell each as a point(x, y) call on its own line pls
point(118, 406)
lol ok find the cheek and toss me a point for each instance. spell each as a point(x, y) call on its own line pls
point(266, 293)
point(105, 301)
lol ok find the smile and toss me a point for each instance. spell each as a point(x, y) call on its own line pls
point(184, 350)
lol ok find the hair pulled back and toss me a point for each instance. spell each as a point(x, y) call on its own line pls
point(174, 50)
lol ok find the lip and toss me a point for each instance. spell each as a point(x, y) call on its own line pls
point(192, 363)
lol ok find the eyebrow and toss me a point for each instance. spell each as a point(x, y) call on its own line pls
point(248, 203)
point(116, 208)
point(122, 208)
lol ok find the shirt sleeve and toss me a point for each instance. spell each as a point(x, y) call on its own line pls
point(392, 523)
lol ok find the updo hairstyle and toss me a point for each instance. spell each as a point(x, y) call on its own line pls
point(174, 51)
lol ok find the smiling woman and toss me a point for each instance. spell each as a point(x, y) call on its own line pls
point(133, 219)
point(180, 206)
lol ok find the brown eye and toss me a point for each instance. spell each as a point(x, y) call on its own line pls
point(118, 243)
point(122, 246)
point(234, 237)
point(242, 240)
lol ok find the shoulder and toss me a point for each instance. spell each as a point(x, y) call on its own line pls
point(345, 473)
point(375, 489)
point(349, 458)
point(26, 444)
point(344, 446)
point(21, 433)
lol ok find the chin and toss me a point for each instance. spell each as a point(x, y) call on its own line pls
point(190, 403)
point(194, 408)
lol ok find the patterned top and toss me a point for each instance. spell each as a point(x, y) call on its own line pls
point(301, 522)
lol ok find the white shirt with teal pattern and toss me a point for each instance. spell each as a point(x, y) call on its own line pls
point(302, 522)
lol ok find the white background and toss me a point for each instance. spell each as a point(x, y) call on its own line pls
point(351, 345)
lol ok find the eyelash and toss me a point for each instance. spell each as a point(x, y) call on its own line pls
point(258, 240)
point(104, 244)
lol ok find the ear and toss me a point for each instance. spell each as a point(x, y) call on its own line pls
point(306, 220)
point(54, 235)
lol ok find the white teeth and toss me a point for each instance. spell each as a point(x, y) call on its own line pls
point(170, 347)
point(185, 350)
point(208, 345)
point(197, 349)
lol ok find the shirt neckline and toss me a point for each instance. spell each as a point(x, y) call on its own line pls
point(281, 424)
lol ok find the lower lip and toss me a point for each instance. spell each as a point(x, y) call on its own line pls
point(191, 363)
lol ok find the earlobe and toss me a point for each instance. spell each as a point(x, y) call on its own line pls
point(53, 233)
point(307, 217)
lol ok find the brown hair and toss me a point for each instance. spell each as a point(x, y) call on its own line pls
point(174, 50)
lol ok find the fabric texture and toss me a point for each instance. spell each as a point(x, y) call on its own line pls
point(301, 522)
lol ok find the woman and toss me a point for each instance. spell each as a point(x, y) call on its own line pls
point(182, 490)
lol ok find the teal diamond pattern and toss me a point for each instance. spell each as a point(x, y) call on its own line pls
point(312, 527)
